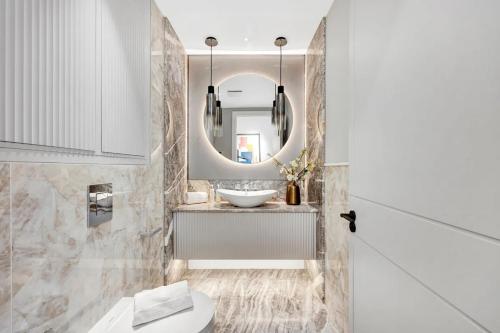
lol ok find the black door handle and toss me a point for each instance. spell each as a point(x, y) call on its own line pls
point(351, 217)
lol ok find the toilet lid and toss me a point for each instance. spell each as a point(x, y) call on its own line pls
point(119, 319)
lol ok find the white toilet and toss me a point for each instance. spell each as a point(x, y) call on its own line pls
point(199, 319)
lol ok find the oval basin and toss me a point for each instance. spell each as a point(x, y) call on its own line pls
point(247, 199)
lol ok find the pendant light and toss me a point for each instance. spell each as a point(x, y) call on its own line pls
point(211, 98)
point(273, 112)
point(218, 116)
point(280, 97)
point(218, 120)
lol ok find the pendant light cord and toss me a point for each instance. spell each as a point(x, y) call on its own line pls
point(281, 56)
point(211, 65)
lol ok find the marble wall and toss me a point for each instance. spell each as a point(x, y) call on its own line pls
point(5, 249)
point(337, 247)
point(58, 275)
point(175, 63)
point(315, 142)
point(65, 276)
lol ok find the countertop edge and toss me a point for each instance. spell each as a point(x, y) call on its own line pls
point(225, 207)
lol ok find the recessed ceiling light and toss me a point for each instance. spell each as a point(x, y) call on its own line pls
point(245, 39)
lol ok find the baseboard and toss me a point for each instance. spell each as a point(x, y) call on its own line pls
point(246, 264)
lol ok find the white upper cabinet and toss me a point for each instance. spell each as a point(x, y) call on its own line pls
point(48, 73)
point(74, 79)
point(125, 75)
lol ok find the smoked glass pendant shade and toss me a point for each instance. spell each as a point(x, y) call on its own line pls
point(274, 114)
point(280, 109)
point(218, 121)
point(211, 108)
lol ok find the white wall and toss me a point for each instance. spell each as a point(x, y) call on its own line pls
point(337, 83)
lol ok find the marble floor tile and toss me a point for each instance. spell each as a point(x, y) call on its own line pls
point(261, 300)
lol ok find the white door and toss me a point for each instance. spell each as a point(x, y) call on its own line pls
point(425, 166)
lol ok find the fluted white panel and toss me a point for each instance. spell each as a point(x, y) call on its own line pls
point(244, 235)
point(125, 75)
point(48, 72)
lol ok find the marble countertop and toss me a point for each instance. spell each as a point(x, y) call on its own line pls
point(268, 207)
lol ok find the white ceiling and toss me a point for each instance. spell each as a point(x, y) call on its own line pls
point(233, 21)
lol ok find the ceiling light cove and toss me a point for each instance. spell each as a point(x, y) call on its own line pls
point(257, 21)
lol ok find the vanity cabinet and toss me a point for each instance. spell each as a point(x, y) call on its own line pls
point(273, 231)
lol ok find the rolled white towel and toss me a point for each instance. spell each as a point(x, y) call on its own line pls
point(195, 197)
point(161, 302)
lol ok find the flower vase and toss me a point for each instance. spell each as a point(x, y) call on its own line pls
point(292, 193)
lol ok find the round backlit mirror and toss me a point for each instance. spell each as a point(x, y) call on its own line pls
point(246, 129)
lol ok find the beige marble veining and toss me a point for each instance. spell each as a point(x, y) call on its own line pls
point(173, 198)
point(175, 271)
point(315, 141)
point(5, 249)
point(261, 300)
point(175, 84)
point(175, 182)
point(337, 247)
point(315, 109)
point(157, 80)
point(155, 250)
point(268, 207)
point(66, 276)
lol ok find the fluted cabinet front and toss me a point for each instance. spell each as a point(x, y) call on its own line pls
point(200, 235)
point(75, 75)
point(125, 75)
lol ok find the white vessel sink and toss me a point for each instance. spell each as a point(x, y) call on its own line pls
point(247, 198)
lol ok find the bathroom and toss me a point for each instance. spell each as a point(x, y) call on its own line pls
point(287, 166)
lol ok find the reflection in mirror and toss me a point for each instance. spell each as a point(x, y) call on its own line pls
point(244, 130)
